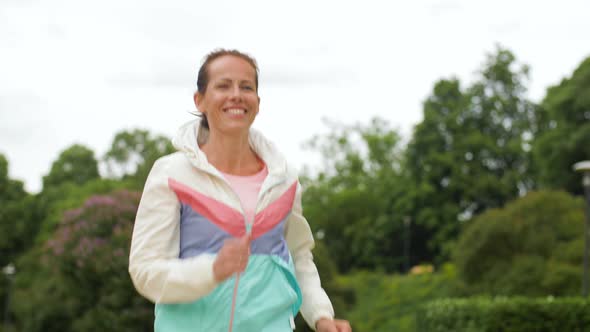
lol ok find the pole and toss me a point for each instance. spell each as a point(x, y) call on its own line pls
point(7, 305)
point(407, 239)
point(8, 271)
point(586, 231)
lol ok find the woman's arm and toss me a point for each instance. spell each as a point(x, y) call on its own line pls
point(155, 268)
point(316, 304)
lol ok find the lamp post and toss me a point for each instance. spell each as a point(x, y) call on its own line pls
point(584, 167)
point(407, 243)
point(9, 272)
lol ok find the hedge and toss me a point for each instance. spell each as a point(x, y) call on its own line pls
point(505, 314)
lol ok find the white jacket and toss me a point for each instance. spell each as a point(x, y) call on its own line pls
point(156, 263)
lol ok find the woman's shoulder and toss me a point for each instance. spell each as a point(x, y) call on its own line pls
point(171, 162)
point(272, 155)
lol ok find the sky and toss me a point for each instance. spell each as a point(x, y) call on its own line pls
point(78, 72)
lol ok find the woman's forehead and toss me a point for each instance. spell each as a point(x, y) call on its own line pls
point(231, 67)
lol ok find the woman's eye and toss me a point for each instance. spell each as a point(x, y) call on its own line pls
point(248, 87)
point(222, 86)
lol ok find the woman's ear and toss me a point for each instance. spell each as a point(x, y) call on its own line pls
point(198, 99)
point(258, 105)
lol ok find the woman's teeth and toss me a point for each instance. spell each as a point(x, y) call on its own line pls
point(236, 111)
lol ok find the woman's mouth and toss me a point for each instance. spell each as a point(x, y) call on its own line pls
point(236, 111)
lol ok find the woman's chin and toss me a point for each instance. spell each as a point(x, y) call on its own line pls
point(234, 129)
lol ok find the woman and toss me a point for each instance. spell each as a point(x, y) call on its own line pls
point(219, 242)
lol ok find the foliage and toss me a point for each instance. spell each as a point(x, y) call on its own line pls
point(566, 131)
point(14, 207)
point(85, 264)
point(342, 297)
point(75, 164)
point(133, 153)
point(52, 202)
point(531, 247)
point(353, 203)
point(470, 152)
point(389, 302)
point(10, 190)
point(505, 315)
point(15, 228)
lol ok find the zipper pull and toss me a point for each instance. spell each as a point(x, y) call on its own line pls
point(292, 321)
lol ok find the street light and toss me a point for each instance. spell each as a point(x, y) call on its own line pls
point(584, 167)
point(9, 272)
point(407, 243)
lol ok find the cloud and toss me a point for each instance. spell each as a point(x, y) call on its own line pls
point(20, 113)
point(444, 7)
point(158, 78)
point(163, 72)
point(507, 28)
point(276, 76)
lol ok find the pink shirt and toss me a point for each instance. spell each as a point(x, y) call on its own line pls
point(247, 187)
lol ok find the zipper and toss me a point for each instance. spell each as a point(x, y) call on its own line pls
point(248, 232)
point(248, 225)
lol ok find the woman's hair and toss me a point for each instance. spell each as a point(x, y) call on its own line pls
point(203, 76)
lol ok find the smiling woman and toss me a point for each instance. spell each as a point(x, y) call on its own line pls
point(220, 242)
point(239, 63)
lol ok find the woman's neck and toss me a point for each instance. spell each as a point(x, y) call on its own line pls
point(231, 154)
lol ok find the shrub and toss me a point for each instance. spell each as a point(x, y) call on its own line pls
point(82, 283)
point(385, 303)
point(531, 247)
point(503, 314)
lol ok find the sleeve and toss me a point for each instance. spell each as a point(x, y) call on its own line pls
point(156, 270)
point(316, 303)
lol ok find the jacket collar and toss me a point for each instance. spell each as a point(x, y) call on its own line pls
point(191, 134)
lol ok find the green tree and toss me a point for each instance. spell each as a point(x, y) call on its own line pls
point(565, 136)
point(133, 153)
point(471, 151)
point(43, 214)
point(15, 227)
point(76, 164)
point(10, 190)
point(354, 202)
point(16, 210)
point(84, 265)
point(533, 247)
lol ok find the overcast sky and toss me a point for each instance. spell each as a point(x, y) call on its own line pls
point(75, 71)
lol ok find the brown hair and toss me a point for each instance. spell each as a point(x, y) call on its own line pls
point(203, 76)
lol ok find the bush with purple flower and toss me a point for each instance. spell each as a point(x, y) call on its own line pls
point(90, 250)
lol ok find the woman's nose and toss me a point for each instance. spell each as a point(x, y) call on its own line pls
point(236, 92)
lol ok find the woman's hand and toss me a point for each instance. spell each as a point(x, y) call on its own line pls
point(232, 258)
point(332, 325)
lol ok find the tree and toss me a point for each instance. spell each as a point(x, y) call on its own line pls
point(15, 225)
point(471, 151)
point(10, 190)
point(76, 164)
point(565, 135)
point(16, 207)
point(133, 153)
point(354, 202)
point(533, 246)
point(84, 264)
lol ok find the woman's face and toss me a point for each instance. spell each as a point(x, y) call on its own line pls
point(231, 100)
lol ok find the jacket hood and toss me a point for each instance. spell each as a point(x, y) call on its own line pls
point(191, 135)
